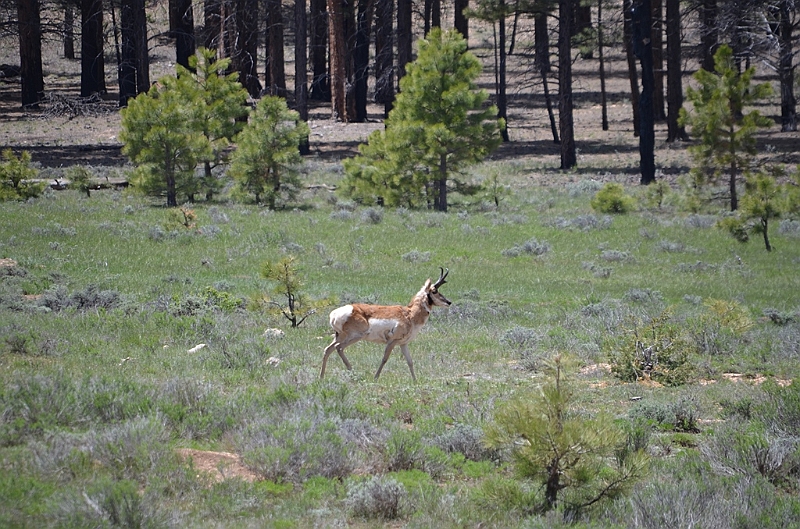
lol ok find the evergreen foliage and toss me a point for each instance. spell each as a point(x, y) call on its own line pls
point(288, 284)
point(726, 133)
point(180, 122)
point(162, 134)
point(579, 460)
point(267, 158)
point(16, 174)
point(612, 199)
point(438, 126)
point(223, 103)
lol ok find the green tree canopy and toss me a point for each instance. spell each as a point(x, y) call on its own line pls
point(222, 101)
point(439, 125)
point(180, 122)
point(578, 460)
point(267, 157)
point(726, 133)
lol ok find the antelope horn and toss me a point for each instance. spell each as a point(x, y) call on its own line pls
point(441, 281)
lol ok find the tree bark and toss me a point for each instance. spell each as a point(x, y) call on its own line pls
point(541, 42)
point(708, 34)
point(631, 58)
point(785, 69)
point(658, 60)
point(92, 60)
point(30, 52)
point(320, 83)
point(363, 23)
point(642, 47)
point(432, 15)
point(338, 49)
point(301, 68)
point(184, 32)
point(674, 72)
point(384, 55)
point(245, 51)
point(601, 59)
point(461, 22)
point(69, 31)
point(565, 119)
point(404, 37)
point(502, 103)
point(135, 66)
point(276, 65)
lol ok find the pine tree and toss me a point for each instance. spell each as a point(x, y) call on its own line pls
point(222, 102)
point(578, 460)
point(162, 135)
point(438, 126)
point(726, 133)
point(267, 157)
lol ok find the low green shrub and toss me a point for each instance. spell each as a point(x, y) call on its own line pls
point(612, 199)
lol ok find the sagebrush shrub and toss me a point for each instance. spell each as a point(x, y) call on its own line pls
point(379, 497)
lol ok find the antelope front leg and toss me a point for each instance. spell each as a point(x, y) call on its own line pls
point(404, 349)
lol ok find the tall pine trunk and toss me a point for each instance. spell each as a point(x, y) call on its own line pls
point(601, 59)
point(320, 82)
point(657, 36)
point(184, 32)
point(92, 59)
point(69, 31)
point(565, 106)
point(404, 36)
point(461, 22)
point(361, 59)
point(384, 55)
point(502, 102)
point(336, 40)
point(30, 52)
point(708, 34)
point(642, 48)
point(301, 67)
point(785, 69)
point(633, 76)
point(674, 72)
point(276, 66)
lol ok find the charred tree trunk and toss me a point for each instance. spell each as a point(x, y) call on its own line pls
point(432, 15)
point(502, 103)
point(786, 70)
point(565, 119)
point(541, 42)
point(404, 36)
point(461, 22)
point(674, 73)
point(184, 32)
point(601, 60)
point(658, 60)
point(708, 34)
point(384, 55)
point(69, 31)
point(276, 66)
point(642, 47)
point(212, 25)
point(361, 59)
point(631, 58)
point(245, 52)
point(301, 67)
point(92, 59)
point(30, 52)
point(134, 38)
point(320, 82)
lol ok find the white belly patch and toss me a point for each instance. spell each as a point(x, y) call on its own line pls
point(381, 331)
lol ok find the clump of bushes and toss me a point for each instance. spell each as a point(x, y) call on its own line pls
point(379, 497)
point(16, 177)
point(612, 199)
point(657, 349)
point(529, 247)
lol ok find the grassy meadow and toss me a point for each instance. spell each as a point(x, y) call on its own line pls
point(102, 299)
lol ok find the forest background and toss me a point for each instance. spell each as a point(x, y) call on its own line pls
point(113, 414)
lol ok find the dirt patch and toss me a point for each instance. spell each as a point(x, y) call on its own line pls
point(219, 465)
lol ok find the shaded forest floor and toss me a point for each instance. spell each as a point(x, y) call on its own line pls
point(63, 133)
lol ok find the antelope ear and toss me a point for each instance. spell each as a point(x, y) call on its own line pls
point(427, 284)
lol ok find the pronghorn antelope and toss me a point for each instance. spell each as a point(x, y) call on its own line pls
point(392, 325)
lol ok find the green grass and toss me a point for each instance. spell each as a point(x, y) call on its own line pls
point(97, 391)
